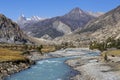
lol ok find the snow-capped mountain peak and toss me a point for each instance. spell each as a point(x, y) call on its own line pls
point(22, 15)
point(24, 20)
point(33, 18)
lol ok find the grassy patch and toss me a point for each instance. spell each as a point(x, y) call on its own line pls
point(47, 49)
point(10, 55)
point(112, 53)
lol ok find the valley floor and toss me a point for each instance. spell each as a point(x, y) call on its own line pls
point(86, 62)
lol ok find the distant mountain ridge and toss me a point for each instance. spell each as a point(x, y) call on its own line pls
point(59, 26)
point(22, 20)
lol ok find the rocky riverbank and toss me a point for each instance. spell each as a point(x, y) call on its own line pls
point(8, 68)
point(11, 67)
point(91, 68)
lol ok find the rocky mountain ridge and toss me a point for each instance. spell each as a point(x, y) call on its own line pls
point(105, 26)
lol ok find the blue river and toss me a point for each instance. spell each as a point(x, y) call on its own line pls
point(48, 69)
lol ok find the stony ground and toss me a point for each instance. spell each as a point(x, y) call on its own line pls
point(8, 68)
point(91, 68)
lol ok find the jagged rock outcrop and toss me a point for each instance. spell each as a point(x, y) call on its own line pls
point(10, 31)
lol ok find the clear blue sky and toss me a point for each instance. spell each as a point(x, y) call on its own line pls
point(51, 8)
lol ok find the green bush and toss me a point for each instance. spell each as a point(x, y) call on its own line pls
point(109, 43)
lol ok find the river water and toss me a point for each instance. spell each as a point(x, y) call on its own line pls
point(48, 69)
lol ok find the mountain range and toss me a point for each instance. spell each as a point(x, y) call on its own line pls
point(57, 26)
point(77, 27)
point(99, 29)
